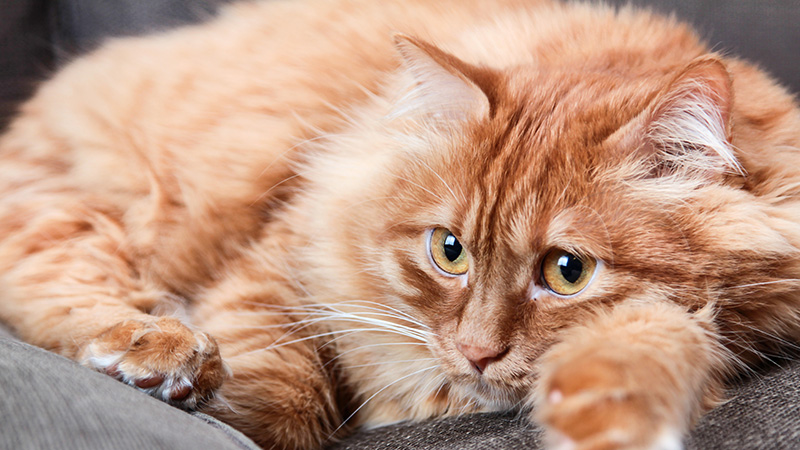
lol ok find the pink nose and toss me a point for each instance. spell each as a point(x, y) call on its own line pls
point(480, 357)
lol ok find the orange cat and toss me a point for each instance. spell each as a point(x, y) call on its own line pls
point(308, 214)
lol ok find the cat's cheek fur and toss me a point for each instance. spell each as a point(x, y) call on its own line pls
point(634, 378)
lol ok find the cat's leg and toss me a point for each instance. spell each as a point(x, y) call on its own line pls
point(282, 390)
point(634, 378)
point(69, 284)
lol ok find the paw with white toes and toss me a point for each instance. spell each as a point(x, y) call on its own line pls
point(162, 357)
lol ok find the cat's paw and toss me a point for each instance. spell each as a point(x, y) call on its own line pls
point(161, 357)
point(602, 402)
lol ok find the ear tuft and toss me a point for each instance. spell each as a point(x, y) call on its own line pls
point(442, 90)
point(690, 123)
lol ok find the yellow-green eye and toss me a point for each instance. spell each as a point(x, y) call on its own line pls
point(447, 253)
point(565, 273)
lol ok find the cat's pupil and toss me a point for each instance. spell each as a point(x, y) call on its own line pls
point(452, 248)
point(571, 267)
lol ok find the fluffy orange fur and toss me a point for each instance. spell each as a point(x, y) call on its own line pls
point(237, 217)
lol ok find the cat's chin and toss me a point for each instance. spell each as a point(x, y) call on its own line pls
point(492, 396)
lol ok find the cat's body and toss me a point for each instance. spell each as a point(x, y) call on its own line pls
point(297, 172)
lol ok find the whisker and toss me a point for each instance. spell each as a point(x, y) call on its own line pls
point(442, 384)
point(787, 280)
point(322, 311)
point(331, 314)
point(329, 333)
point(409, 317)
point(264, 194)
point(437, 379)
point(455, 197)
point(467, 406)
point(516, 405)
point(331, 341)
point(775, 337)
point(362, 347)
point(378, 392)
point(421, 187)
point(390, 362)
point(289, 150)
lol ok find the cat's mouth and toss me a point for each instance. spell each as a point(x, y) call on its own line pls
point(499, 388)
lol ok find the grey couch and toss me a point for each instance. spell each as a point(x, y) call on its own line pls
point(48, 402)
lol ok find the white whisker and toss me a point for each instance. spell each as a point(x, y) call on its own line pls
point(329, 313)
point(765, 283)
point(421, 187)
point(362, 347)
point(331, 341)
point(290, 149)
point(378, 392)
point(329, 333)
point(426, 387)
point(390, 362)
point(404, 314)
point(442, 384)
point(771, 336)
point(455, 197)
point(274, 186)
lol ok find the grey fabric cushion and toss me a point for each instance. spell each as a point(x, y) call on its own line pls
point(762, 412)
point(4, 333)
point(473, 432)
point(49, 402)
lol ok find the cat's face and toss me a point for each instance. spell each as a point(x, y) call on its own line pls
point(519, 217)
point(506, 232)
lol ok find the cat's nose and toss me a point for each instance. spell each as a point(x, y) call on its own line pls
point(480, 357)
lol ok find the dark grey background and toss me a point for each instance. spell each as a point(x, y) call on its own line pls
point(765, 31)
point(36, 36)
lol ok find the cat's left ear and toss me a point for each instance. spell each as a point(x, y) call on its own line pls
point(686, 129)
point(444, 88)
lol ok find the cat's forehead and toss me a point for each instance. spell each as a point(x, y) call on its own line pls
point(536, 173)
point(574, 109)
point(533, 173)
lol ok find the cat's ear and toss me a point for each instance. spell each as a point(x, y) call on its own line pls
point(687, 127)
point(443, 88)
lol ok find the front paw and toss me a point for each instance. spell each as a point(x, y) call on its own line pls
point(161, 357)
point(609, 401)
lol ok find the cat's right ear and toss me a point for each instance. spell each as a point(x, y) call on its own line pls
point(443, 89)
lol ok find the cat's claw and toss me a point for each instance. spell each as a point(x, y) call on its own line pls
point(169, 389)
point(162, 358)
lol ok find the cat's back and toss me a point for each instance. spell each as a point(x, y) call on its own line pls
point(241, 90)
point(235, 92)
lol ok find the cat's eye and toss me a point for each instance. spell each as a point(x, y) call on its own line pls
point(447, 253)
point(565, 273)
